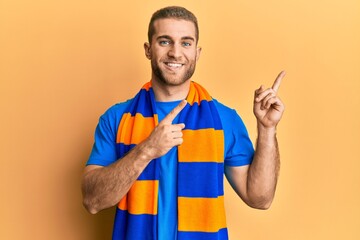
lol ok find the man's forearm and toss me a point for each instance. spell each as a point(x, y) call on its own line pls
point(264, 170)
point(104, 187)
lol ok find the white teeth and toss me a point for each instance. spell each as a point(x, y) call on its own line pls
point(176, 65)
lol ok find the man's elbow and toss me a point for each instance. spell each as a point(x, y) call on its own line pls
point(90, 206)
point(262, 206)
point(261, 203)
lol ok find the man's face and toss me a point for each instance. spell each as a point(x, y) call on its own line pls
point(173, 51)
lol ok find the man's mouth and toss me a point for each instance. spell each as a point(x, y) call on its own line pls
point(173, 65)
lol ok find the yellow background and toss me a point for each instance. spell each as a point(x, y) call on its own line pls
point(63, 63)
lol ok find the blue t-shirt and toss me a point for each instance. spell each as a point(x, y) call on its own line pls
point(239, 151)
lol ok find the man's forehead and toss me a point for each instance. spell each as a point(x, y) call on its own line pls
point(174, 27)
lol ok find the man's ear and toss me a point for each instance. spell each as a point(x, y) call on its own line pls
point(147, 50)
point(198, 51)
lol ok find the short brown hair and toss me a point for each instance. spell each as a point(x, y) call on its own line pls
point(176, 12)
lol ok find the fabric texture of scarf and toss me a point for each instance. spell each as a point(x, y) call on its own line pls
point(200, 171)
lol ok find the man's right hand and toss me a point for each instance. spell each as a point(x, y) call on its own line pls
point(104, 187)
point(165, 135)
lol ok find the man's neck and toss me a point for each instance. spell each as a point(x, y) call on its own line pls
point(168, 93)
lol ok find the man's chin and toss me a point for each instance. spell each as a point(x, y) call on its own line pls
point(172, 78)
point(171, 81)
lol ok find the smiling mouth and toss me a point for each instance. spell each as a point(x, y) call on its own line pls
point(173, 65)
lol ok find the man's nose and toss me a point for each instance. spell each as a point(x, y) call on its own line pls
point(174, 51)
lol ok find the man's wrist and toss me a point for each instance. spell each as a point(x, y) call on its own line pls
point(144, 152)
point(266, 136)
point(266, 131)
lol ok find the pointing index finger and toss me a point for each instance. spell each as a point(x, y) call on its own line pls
point(277, 82)
point(172, 115)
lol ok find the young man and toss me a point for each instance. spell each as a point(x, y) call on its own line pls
point(161, 156)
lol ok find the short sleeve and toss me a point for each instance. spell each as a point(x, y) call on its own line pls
point(104, 149)
point(239, 150)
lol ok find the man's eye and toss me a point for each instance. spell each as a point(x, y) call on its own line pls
point(186, 44)
point(164, 42)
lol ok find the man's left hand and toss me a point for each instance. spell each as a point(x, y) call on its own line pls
point(268, 108)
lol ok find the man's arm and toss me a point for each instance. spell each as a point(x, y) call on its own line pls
point(256, 183)
point(103, 187)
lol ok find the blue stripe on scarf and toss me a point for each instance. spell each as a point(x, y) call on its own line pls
point(222, 234)
point(143, 105)
point(193, 175)
point(123, 148)
point(137, 226)
point(190, 116)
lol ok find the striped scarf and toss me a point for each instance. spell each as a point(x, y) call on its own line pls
point(200, 169)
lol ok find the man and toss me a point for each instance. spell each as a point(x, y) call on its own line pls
point(161, 156)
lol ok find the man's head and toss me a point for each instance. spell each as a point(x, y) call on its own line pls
point(174, 12)
point(172, 47)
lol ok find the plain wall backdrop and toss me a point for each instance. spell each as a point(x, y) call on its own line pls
point(63, 63)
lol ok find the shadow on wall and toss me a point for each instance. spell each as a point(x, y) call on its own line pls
point(103, 224)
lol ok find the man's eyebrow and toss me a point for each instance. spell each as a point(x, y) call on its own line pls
point(188, 38)
point(163, 36)
point(169, 38)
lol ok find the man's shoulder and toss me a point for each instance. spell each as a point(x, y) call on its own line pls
point(116, 110)
point(224, 109)
point(229, 116)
